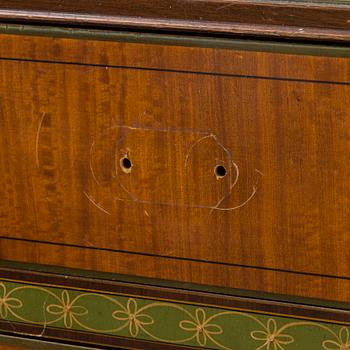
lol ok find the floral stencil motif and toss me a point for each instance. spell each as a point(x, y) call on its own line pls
point(7, 303)
point(342, 343)
point(133, 317)
point(66, 310)
point(185, 323)
point(272, 338)
point(201, 327)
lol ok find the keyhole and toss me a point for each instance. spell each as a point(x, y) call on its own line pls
point(126, 164)
point(220, 171)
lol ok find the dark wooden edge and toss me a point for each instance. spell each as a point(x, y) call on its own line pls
point(83, 338)
point(21, 342)
point(296, 20)
point(177, 295)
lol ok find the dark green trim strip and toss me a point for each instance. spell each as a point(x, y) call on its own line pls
point(160, 320)
point(178, 40)
point(58, 270)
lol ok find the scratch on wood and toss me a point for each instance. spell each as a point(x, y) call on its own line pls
point(38, 138)
point(240, 205)
point(226, 150)
point(90, 162)
point(188, 205)
point(231, 188)
point(228, 154)
point(87, 242)
point(129, 194)
point(255, 188)
point(134, 199)
point(196, 143)
point(225, 6)
point(259, 172)
point(96, 204)
point(129, 127)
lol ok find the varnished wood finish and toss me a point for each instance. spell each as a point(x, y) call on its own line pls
point(230, 61)
point(71, 109)
point(184, 270)
point(304, 20)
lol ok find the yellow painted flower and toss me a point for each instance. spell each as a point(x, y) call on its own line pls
point(66, 310)
point(201, 327)
point(271, 337)
point(7, 303)
point(133, 317)
point(342, 343)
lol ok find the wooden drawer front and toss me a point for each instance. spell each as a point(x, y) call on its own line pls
point(278, 201)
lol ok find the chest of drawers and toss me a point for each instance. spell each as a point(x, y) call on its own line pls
point(167, 190)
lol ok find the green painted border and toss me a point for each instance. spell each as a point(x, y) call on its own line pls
point(173, 284)
point(178, 40)
point(162, 321)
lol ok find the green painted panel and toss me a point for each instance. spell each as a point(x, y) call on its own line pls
point(162, 321)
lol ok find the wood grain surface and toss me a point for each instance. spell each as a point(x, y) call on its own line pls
point(312, 20)
point(276, 213)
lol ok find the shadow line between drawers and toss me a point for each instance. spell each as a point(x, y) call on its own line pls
point(242, 76)
point(177, 258)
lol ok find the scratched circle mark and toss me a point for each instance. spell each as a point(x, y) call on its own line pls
point(113, 147)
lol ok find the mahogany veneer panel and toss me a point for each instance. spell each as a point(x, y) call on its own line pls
point(282, 206)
